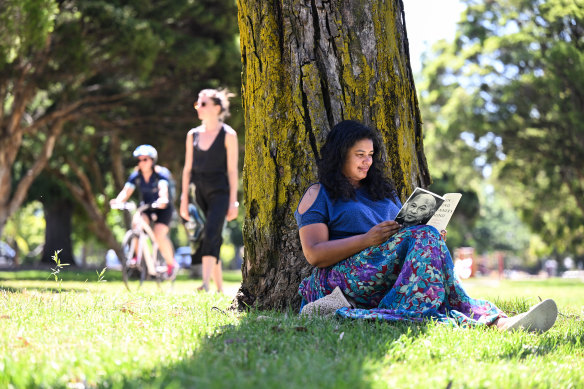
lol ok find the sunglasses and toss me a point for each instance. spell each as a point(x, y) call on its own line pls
point(142, 159)
point(216, 101)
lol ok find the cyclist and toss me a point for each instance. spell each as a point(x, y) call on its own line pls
point(152, 183)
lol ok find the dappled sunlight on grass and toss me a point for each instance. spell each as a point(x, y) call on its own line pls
point(531, 291)
point(86, 281)
point(99, 334)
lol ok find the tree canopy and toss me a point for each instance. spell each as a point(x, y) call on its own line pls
point(507, 98)
point(83, 82)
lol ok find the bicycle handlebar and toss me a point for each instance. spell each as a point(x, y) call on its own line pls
point(128, 206)
point(131, 206)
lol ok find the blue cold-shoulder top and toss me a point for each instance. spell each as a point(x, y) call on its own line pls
point(346, 218)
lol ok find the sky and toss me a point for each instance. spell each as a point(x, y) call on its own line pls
point(428, 21)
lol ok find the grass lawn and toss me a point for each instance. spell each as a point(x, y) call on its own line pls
point(83, 333)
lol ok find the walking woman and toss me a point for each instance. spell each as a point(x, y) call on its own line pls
point(211, 164)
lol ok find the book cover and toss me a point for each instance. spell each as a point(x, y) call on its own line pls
point(425, 207)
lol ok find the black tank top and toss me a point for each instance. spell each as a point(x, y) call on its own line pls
point(210, 162)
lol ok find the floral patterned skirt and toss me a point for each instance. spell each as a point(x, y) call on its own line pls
point(409, 277)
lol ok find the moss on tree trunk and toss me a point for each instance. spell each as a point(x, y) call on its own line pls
point(306, 66)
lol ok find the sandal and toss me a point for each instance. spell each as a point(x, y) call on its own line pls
point(540, 318)
point(327, 305)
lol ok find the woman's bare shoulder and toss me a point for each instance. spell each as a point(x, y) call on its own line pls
point(229, 130)
point(195, 129)
point(309, 198)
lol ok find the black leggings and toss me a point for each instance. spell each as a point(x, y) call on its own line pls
point(212, 195)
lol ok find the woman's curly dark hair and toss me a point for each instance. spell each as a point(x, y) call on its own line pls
point(333, 154)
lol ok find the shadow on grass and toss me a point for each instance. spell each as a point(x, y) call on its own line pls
point(275, 350)
point(82, 275)
point(41, 289)
point(66, 274)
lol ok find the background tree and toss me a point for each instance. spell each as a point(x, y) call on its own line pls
point(58, 209)
point(507, 97)
point(128, 64)
point(467, 213)
point(25, 232)
point(306, 66)
point(86, 82)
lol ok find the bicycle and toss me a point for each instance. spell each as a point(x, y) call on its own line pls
point(195, 226)
point(140, 248)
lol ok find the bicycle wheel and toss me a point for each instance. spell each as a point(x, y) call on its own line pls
point(129, 245)
point(161, 267)
point(159, 264)
point(147, 253)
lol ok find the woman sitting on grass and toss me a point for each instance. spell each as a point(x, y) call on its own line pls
point(361, 255)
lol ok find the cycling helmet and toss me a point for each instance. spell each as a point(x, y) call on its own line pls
point(195, 225)
point(146, 150)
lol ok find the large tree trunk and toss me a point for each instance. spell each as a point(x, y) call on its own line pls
point(58, 216)
point(306, 66)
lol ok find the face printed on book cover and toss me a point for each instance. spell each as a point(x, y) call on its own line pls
point(420, 208)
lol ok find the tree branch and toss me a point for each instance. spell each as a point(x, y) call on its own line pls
point(84, 196)
point(25, 183)
point(73, 110)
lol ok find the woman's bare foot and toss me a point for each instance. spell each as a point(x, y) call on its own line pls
point(203, 288)
point(500, 322)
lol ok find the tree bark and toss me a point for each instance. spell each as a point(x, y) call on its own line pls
point(306, 66)
point(10, 202)
point(58, 217)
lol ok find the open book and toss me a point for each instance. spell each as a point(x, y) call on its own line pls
point(425, 207)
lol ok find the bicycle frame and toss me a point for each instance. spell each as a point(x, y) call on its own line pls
point(141, 232)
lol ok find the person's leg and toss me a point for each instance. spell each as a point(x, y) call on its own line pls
point(161, 229)
point(215, 208)
point(137, 223)
point(409, 277)
point(218, 275)
point(145, 218)
point(164, 244)
point(365, 277)
point(428, 287)
point(208, 264)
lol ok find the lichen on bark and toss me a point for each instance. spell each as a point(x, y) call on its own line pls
point(306, 66)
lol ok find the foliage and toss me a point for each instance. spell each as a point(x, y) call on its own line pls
point(499, 228)
point(55, 273)
point(105, 337)
point(507, 96)
point(465, 217)
point(97, 70)
point(26, 229)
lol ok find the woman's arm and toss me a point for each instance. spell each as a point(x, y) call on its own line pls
point(232, 172)
point(124, 194)
point(163, 197)
point(186, 177)
point(322, 252)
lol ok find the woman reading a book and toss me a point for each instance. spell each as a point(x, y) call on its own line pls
point(369, 266)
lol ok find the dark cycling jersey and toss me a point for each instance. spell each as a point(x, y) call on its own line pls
point(148, 190)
